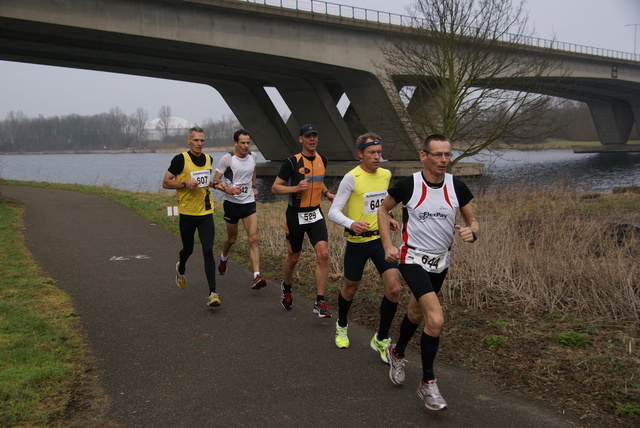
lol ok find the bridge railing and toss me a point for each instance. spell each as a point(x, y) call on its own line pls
point(354, 12)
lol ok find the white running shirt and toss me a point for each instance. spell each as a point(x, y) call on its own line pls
point(238, 172)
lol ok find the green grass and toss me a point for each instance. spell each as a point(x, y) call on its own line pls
point(572, 338)
point(499, 324)
point(495, 340)
point(40, 349)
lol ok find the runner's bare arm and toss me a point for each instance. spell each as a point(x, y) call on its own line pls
point(390, 251)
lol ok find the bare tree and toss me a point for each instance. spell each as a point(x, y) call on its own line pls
point(13, 138)
point(460, 73)
point(220, 132)
point(138, 121)
point(164, 114)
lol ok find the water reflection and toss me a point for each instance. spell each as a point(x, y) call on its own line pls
point(557, 169)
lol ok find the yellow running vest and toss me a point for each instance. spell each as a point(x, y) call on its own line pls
point(369, 190)
point(196, 201)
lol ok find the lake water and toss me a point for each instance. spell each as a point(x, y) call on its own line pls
point(552, 169)
point(542, 169)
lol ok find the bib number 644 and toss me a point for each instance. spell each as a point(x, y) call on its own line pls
point(431, 262)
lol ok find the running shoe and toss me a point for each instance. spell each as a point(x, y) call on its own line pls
point(381, 346)
point(342, 340)
point(429, 392)
point(222, 266)
point(322, 309)
point(214, 300)
point(287, 300)
point(396, 366)
point(181, 280)
point(258, 282)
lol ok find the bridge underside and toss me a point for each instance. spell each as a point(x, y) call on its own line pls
point(311, 90)
point(614, 104)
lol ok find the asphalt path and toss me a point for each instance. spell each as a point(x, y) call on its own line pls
point(165, 359)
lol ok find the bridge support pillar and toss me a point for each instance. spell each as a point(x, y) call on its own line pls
point(251, 104)
point(375, 107)
point(613, 120)
point(310, 101)
point(635, 108)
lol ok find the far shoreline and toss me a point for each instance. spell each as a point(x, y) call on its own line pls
point(550, 144)
point(121, 151)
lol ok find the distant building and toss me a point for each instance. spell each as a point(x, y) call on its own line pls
point(177, 126)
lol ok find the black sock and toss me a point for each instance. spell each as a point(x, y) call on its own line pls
point(320, 298)
point(387, 312)
point(407, 329)
point(428, 349)
point(286, 287)
point(343, 309)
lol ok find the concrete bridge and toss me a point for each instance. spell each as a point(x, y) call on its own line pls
point(312, 58)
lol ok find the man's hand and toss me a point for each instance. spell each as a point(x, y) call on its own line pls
point(359, 227)
point(302, 185)
point(192, 184)
point(391, 254)
point(465, 233)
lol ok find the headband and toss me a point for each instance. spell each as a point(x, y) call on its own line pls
point(367, 144)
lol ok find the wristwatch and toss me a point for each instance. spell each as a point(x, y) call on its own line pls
point(474, 234)
point(184, 184)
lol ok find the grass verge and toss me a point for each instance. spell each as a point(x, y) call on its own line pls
point(40, 349)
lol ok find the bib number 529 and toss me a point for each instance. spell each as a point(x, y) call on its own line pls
point(309, 217)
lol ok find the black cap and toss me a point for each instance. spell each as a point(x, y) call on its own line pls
point(308, 129)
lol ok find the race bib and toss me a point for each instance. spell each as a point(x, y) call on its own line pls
point(310, 217)
point(431, 261)
point(202, 177)
point(372, 201)
point(245, 188)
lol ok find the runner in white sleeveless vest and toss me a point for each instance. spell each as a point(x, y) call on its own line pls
point(430, 201)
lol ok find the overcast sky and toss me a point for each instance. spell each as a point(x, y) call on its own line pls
point(54, 91)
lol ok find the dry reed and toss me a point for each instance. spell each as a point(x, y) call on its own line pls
point(555, 252)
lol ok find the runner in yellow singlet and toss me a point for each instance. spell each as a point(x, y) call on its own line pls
point(190, 175)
